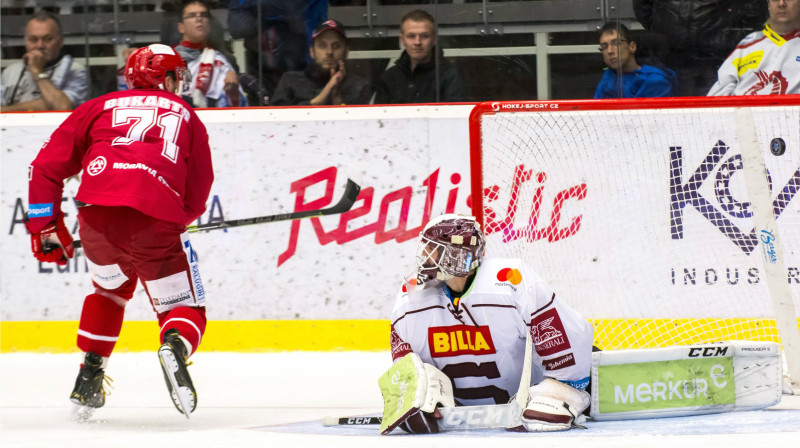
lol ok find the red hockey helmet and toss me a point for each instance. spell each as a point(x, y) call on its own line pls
point(451, 245)
point(147, 67)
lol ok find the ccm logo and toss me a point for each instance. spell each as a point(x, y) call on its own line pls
point(705, 352)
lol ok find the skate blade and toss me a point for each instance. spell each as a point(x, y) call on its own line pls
point(81, 413)
point(180, 395)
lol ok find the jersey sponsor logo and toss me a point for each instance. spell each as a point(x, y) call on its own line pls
point(96, 166)
point(547, 332)
point(748, 62)
point(460, 340)
point(171, 299)
point(40, 210)
point(769, 83)
point(400, 347)
point(510, 275)
point(142, 166)
point(560, 362)
point(107, 279)
point(134, 166)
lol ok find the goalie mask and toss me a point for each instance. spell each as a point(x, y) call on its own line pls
point(450, 246)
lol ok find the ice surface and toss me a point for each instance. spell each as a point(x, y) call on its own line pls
point(277, 400)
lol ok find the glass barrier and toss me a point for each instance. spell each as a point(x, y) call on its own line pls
point(418, 51)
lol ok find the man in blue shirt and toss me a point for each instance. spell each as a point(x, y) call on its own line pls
point(625, 78)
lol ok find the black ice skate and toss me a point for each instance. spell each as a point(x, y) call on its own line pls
point(89, 393)
point(172, 355)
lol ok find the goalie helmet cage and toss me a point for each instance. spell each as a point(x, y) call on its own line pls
point(642, 215)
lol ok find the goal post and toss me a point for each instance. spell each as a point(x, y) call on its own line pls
point(649, 216)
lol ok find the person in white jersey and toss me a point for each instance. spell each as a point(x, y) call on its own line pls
point(467, 315)
point(765, 62)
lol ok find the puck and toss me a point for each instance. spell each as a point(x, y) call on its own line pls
point(777, 146)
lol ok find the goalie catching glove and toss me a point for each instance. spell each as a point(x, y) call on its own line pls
point(411, 391)
point(553, 406)
point(53, 243)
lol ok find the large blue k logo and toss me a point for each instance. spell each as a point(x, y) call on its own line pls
point(683, 193)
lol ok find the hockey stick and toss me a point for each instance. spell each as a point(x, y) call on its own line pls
point(339, 421)
point(492, 416)
point(349, 197)
point(469, 417)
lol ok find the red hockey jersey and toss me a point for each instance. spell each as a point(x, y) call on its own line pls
point(143, 148)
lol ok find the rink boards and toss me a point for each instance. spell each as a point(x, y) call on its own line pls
point(319, 284)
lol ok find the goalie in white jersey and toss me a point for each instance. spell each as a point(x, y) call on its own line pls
point(467, 316)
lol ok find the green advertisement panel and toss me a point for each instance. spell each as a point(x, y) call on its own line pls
point(666, 384)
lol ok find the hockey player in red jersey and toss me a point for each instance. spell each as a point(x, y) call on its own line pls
point(466, 317)
point(146, 174)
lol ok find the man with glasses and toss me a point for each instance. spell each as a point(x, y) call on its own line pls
point(765, 62)
point(214, 81)
point(625, 78)
point(45, 79)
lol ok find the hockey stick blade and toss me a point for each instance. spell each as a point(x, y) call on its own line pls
point(453, 419)
point(344, 205)
point(357, 421)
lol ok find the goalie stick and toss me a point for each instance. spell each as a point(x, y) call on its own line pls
point(366, 420)
point(469, 417)
point(349, 197)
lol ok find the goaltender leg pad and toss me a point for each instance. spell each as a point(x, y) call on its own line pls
point(410, 386)
point(685, 380)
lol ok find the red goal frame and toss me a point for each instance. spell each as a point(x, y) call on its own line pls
point(493, 107)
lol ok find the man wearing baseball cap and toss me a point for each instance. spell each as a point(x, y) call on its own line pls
point(325, 80)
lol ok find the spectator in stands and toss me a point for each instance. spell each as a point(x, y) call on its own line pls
point(413, 77)
point(765, 62)
point(277, 41)
point(325, 80)
point(45, 79)
point(697, 35)
point(625, 78)
point(214, 80)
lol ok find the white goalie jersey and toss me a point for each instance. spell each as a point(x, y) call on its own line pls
point(479, 343)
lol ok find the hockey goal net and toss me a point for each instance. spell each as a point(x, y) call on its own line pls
point(639, 215)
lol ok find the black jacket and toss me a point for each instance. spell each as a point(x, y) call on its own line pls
point(298, 88)
point(399, 85)
point(701, 27)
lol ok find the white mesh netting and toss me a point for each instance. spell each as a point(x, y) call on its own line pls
point(640, 218)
